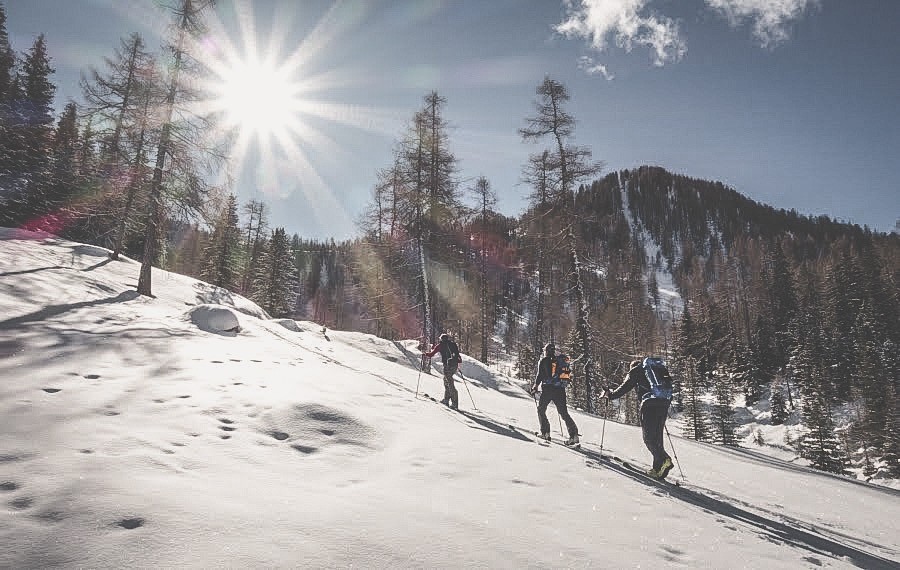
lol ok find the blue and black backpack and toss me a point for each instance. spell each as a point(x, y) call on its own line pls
point(560, 371)
point(659, 379)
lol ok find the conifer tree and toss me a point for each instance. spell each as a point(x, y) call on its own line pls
point(572, 164)
point(9, 94)
point(223, 251)
point(275, 285)
point(119, 100)
point(33, 134)
point(821, 445)
point(777, 403)
point(173, 170)
point(486, 199)
point(696, 425)
point(722, 413)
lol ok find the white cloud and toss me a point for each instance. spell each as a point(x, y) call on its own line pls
point(629, 22)
point(589, 66)
point(770, 18)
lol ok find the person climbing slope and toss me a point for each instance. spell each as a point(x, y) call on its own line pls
point(552, 376)
point(653, 386)
point(451, 359)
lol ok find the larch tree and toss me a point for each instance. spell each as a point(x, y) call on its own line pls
point(572, 164)
point(486, 200)
point(118, 99)
point(175, 176)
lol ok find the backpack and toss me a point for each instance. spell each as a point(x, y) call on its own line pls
point(659, 379)
point(560, 370)
point(454, 359)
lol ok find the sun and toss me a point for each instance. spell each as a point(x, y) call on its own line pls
point(257, 97)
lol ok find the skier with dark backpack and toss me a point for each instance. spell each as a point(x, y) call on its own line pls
point(554, 372)
point(652, 383)
point(451, 359)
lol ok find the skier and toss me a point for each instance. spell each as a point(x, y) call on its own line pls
point(653, 413)
point(451, 359)
point(552, 375)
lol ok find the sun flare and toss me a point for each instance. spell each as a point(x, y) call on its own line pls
point(257, 98)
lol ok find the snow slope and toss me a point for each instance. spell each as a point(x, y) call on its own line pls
point(133, 434)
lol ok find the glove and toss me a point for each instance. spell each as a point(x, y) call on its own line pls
point(605, 393)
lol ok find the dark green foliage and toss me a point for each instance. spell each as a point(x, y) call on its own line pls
point(223, 253)
point(696, 422)
point(275, 284)
point(722, 412)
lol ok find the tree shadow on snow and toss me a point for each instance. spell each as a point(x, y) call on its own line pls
point(55, 310)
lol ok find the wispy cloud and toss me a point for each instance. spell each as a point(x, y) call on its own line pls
point(629, 22)
point(770, 19)
point(634, 23)
point(589, 66)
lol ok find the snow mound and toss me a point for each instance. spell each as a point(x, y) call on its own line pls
point(215, 318)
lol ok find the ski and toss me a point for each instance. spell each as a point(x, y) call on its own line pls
point(643, 472)
point(436, 401)
point(542, 441)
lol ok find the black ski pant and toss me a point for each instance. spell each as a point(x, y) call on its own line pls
point(557, 395)
point(653, 421)
point(450, 393)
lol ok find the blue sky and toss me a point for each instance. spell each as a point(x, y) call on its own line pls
point(794, 103)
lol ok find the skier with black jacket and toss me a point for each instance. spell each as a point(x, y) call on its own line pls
point(551, 381)
point(653, 412)
point(450, 358)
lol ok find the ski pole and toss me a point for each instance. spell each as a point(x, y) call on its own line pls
point(466, 384)
point(603, 431)
point(672, 445)
point(419, 379)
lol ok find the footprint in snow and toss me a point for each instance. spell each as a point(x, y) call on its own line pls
point(130, 523)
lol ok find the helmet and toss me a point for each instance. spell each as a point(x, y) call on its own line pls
point(444, 336)
point(635, 364)
point(549, 348)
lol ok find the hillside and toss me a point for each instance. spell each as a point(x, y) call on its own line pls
point(131, 437)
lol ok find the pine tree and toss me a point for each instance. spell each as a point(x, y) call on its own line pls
point(777, 403)
point(696, 425)
point(65, 178)
point(33, 134)
point(223, 253)
point(275, 285)
point(9, 94)
point(722, 413)
point(821, 445)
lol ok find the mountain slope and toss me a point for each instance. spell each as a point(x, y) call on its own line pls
point(131, 437)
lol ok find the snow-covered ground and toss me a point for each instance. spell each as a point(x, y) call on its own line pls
point(135, 432)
